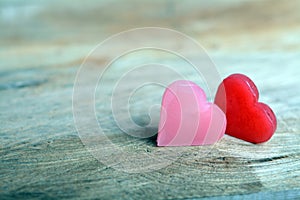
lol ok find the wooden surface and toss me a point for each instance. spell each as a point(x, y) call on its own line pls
point(42, 46)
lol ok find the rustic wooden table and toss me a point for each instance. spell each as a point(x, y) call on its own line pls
point(43, 44)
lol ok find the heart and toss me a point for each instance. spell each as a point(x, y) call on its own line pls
point(247, 119)
point(187, 118)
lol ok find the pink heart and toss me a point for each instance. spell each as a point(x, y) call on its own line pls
point(187, 118)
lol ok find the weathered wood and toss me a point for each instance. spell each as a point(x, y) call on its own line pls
point(42, 155)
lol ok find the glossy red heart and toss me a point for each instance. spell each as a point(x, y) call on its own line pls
point(247, 119)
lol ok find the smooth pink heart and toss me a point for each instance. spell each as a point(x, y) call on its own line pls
point(187, 118)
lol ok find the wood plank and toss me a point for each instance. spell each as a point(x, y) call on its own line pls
point(42, 155)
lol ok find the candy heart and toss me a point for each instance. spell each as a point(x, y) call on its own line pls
point(187, 118)
point(247, 119)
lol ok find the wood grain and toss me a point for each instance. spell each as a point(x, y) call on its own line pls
point(42, 156)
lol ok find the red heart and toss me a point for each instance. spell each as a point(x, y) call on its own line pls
point(247, 119)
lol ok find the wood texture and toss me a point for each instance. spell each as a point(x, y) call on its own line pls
point(42, 46)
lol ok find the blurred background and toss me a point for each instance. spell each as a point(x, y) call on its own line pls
point(230, 25)
point(59, 33)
